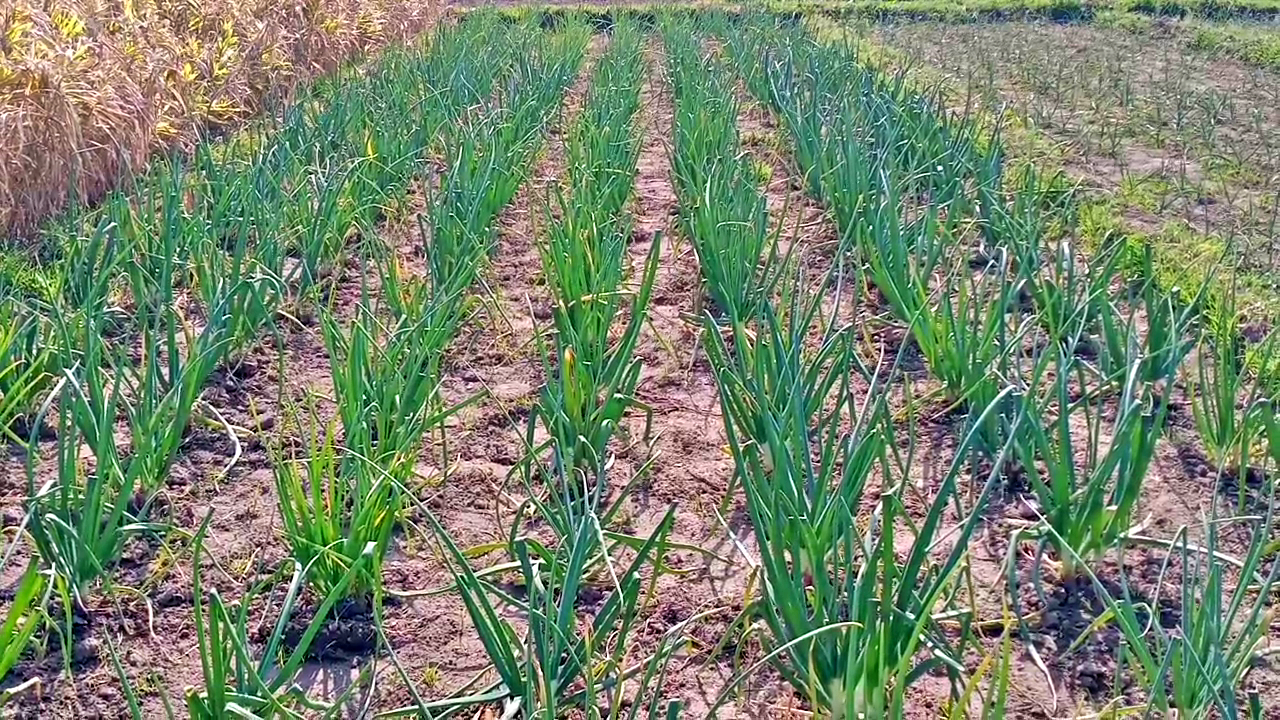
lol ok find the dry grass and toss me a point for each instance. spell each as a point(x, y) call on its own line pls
point(90, 89)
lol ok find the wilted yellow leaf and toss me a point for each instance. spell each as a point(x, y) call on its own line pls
point(68, 25)
point(17, 31)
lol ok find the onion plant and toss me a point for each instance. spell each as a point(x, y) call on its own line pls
point(1061, 285)
point(603, 143)
point(337, 512)
point(164, 394)
point(1200, 666)
point(965, 322)
point(489, 156)
point(80, 519)
point(463, 209)
point(468, 61)
point(1156, 326)
point(320, 221)
point(1087, 474)
point(778, 68)
point(593, 383)
point(723, 212)
point(386, 379)
point(86, 286)
point(237, 261)
point(597, 320)
point(848, 615)
point(1226, 622)
point(25, 616)
point(1225, 388)
point(343, 497)
point(566, 657)
point(26, 367)
point(243, 677)
point(1066, 291)
point(79, 523)
point(243, 292)
point(159, 231)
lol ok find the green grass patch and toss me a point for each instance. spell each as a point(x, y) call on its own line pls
point(1254, 44)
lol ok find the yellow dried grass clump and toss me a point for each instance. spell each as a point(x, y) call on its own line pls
point(89, 89)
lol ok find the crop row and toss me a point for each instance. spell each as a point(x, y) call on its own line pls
point(179, 278)
point(556, 658)
point(1065, 380)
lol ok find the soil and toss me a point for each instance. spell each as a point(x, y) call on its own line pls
point(472, 485)
point(347, 634)
point(1067, 612)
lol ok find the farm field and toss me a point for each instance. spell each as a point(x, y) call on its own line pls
point(658, 363)
point(1179, 146)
